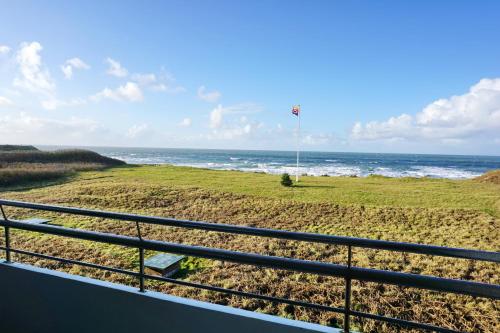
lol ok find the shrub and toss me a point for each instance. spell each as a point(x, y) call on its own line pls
point(286, 180)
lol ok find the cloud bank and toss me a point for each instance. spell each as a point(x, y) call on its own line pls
point(473, 115)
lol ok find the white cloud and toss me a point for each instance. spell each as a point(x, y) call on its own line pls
point(237, 123)
point(208, 96)
point(144, 79)
point(32, 74)
point(4, 101)
point(216, 117)
point(54, 103)
point(137, 130)
point(67, 71)
point(115, 68)
point(318, 139)
point(24, 128)
point(129, 92)
point(394, 127)
point(165, 82)
point(168, 89)
point(186, 122)
point(471, 115)
point(70, 64)
point(4, 49)
point(234, 131)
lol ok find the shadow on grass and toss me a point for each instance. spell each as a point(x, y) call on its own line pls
point(31, 185)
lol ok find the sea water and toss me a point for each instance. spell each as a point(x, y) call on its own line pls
point(312, 163)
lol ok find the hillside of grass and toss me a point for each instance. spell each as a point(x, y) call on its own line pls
point(491, 177)
point(58, 156)
point(429, 211)
point(20, 165)
point(4, 148)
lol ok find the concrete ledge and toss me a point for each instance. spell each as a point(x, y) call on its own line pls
point(40, 300)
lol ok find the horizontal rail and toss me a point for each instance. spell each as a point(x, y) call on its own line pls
point(390, 320)
point(179, 282)
point(362, 274)
point(71, 261)
point(281, 234)
point(402, 322)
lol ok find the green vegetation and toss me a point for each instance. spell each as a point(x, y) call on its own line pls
point(58, 156)
point(286, 180)
point(4, 148)
point(431, 211)
point(21, 165)
point(374, 191)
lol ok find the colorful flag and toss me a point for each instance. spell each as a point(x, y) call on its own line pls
point(296, 110)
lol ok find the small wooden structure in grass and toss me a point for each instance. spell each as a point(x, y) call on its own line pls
point(164, 264)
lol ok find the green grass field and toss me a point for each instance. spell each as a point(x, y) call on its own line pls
point(374, 191)
point(431, 211)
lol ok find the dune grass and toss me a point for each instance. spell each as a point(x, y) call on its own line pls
point(5, 148)
point(21, 165)
point(58, 156)
point(430, 211)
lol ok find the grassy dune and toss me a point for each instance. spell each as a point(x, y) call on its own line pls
point(441, 212)
point(20, 165)
point(4, 148)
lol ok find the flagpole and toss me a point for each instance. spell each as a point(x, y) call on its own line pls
point(298, 147)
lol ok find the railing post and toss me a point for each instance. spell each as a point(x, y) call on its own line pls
point(141, 260)
point(7, 236)
point(347, 306)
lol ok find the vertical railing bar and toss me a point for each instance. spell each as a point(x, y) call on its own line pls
point(347, 307)
point(141, 259)
point(7, 236)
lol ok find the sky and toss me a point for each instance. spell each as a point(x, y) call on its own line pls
point(370, 76)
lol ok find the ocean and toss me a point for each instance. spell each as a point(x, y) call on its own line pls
point(312, 163)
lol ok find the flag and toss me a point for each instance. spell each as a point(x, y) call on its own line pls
point(296, 110)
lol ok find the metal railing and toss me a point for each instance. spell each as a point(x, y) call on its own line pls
point(348, 272)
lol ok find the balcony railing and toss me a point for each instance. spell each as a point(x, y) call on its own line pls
point(347, 272)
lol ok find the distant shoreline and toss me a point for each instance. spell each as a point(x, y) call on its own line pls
point(313, 163)
point(55, 147)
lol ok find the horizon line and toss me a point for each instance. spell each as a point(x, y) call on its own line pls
point(264, 150)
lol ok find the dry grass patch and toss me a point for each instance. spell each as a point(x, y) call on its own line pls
point(492, 177)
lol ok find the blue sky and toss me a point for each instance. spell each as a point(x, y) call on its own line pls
point(377, 76)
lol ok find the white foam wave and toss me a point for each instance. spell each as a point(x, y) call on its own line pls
point(330, 168)
point(441, 172)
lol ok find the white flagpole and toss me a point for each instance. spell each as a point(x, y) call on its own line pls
point(298, 147)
